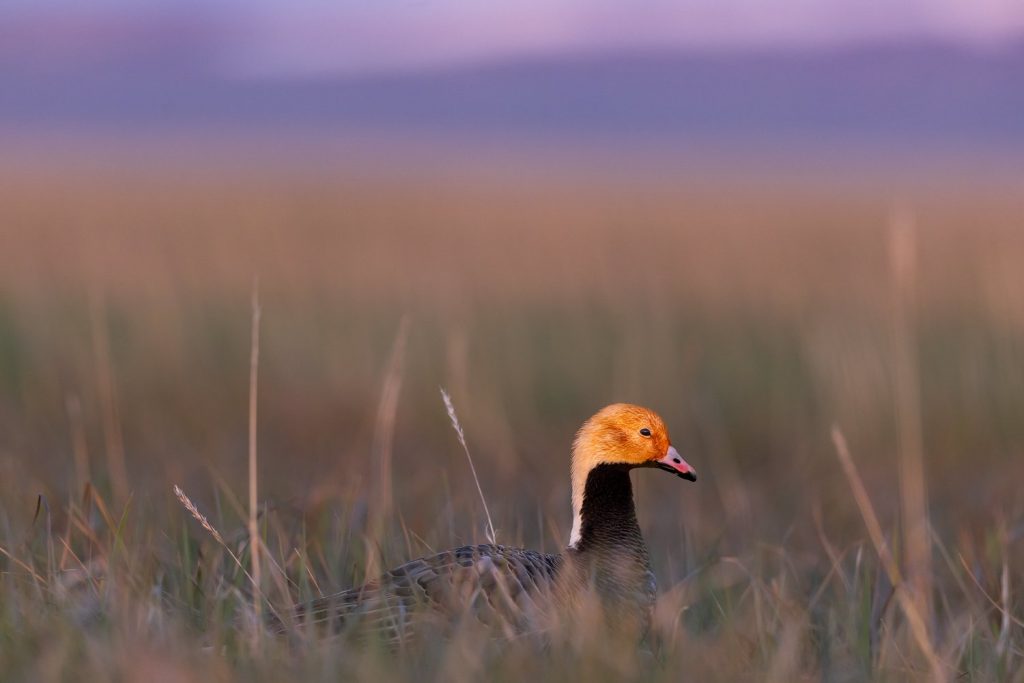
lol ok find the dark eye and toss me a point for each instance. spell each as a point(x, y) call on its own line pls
point(645, 432)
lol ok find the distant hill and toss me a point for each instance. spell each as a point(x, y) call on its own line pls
point(909, 94)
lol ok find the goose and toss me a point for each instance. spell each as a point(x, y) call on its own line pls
point(517, 591)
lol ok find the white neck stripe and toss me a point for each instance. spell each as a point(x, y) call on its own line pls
point(577, 524)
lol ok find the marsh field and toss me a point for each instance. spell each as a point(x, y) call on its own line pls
point(768, 322)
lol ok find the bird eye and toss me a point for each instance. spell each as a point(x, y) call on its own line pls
point(645, 432)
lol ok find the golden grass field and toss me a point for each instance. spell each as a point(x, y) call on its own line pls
point(754, 317)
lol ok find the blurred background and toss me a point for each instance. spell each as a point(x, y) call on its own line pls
point(544, 207)
point(686, 206)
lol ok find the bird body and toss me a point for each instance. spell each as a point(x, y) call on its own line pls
point(517, 592)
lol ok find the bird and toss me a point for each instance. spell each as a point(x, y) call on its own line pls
point(604, 576)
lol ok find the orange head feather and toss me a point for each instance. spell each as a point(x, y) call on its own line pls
point(622, 434)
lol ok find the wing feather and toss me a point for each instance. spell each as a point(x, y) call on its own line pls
point(505, 589)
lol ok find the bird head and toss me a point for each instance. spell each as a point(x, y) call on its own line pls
point(628, 435)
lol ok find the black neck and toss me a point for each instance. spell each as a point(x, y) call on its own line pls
point(608, 518)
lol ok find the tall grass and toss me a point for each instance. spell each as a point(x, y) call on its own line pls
point(753, 320)
point(492, 536)
point(254, 528)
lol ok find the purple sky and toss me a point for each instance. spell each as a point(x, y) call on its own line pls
point(309, 37)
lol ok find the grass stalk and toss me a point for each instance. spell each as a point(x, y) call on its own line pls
point(382, 501)
point(205, 523)
point(918, 627)
point(254, 536)
point(79, 444)
point(913, 488)
point(450, 407)
point(107, 394)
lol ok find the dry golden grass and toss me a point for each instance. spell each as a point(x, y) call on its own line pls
point(752, 317)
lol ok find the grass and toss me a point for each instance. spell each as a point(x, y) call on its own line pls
point(753, 319)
